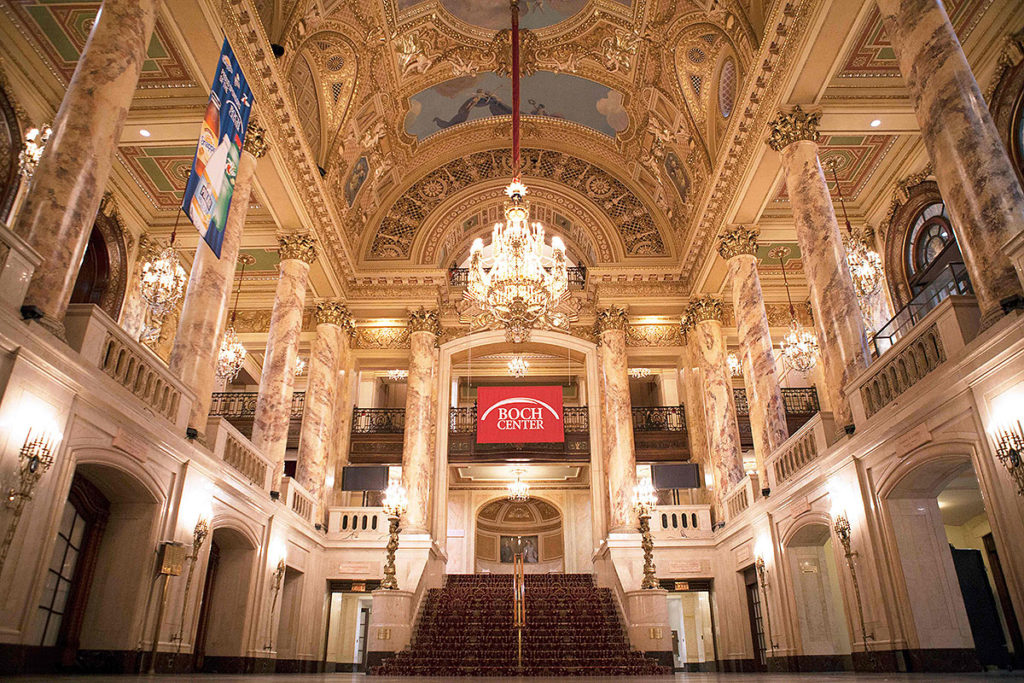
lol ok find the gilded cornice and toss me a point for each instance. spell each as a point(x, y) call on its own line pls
point(785, 129)
point(611, 318)
point(424, 320)
point(299, 246)
point(705, 308)
point(737, 241)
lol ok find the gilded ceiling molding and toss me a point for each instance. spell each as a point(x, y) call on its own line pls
point(256, 142)
point(798, 125)
point(301, 246)
point(378, 338)
point(703, 309)
point(654, 336)
point(738, 240)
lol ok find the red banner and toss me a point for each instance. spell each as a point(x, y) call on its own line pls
point(519, 415)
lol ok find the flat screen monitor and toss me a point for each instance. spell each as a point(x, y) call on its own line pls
point(364, 478)
point(684, 475)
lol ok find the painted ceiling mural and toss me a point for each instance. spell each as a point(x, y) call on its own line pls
point(545, 94)
point(856, 158)
point(161, 171)
point(492, 14)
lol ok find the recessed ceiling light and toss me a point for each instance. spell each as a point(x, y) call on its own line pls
point(145, 133)
point(876, 123)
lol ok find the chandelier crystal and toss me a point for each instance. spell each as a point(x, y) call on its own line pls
point(865, 264)
point(232, 353)
point(518, 366)
point(300, 366)
point(639, 373)
point(398, 375)
point(735, 367)
point(518, 490)
point(163, 281)
point(35, 142)
point(800, 346)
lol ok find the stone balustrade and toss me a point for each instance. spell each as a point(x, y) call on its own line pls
point(297, 499)
point(802, 447)
point(671, 522)
point(104, 345)
point(18, 261)
point(237, 452)
point(742, 496)
point(357, 523)
point(939, 336)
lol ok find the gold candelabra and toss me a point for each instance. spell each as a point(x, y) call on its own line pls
point(35, 458)
point(1009, 446)
point(762, 579)
point(644, 499)
point(841, 525)
point(199, 534)
point(275, 589)
point(396, 502)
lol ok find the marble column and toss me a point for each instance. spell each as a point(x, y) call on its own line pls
point(317, 435)
point(277, 382)
point(344, 402)
point(693, 402)
point(618, 455)
point(67, 187)
point(738, 246)
point(204, 312)
point(705, 314)
point(837, 316)
point(417, 460)
point(972, 168)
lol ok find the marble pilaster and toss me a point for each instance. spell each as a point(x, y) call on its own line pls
point(971, 165)
point(768, 426)
point(203, 314)
point(693, 392)
point(67, 187)
point(837, 316)
point(723, 435)
point(417, 459)
point(318, 415)
point(618, 456)
point(344, 400)
point(277, 382)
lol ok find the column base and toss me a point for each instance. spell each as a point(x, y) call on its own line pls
point(647, 621)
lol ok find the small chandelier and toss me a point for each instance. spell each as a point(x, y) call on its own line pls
point(735, 367)
point(300, 366)
point(799, 347)
point(35, 142)
point(521, 287)
point(518, 366)
point(398, 375)
point(518, 490)
point(232, 353)
point(163, 281)
point(865, 264)
point(639, 373)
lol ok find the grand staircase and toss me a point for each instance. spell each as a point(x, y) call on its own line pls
point(572, 629)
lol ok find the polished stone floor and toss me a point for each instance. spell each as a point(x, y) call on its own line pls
point(695, 678)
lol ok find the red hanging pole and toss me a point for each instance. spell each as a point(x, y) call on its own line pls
point(515, 90)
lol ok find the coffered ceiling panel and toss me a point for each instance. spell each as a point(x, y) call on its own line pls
point(856, 157)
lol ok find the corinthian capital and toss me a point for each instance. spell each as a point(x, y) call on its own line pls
point(333, 312)
point(611, 318)
point(704, 308)
point(255, 139)
point(786, 129)
point(299, 246)
point(738, 240)
point(424, 320)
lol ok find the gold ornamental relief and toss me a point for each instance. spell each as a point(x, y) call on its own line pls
point(785, 129)
point(255, 139)
point(424, 320)
point(704, 308)
point(334, 312)
point(611, 318)
point(299, 246)
point(738, 241)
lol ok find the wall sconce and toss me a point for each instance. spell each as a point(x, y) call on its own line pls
point(1009, 440)
point(34, 460)
point(275, 588)
point(396, 502)
point(762, 580)
point(644, 499)
point(841, 526)
point(199, 534)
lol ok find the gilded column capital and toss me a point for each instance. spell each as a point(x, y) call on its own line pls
point(798, 125)
point(255, 139)
point(333, 312)
point(704, 308)
point(611, 318)
point(738, 240)
point(299, 246)
point(424, 320)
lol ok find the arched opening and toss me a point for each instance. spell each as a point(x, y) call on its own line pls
point(94, 272)
point(99, 575)
point(220, 637)
point(290, 623)
point(534, 525)
point(952, 572)
point(819, 602)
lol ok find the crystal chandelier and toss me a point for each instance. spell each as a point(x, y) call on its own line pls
point(520, 287)
point(518, 366)
point(232, 353)
point(865, 264)
point(518, 490)
point(639, 373)
point(799, 347)
point(398, 375)
point(735, 367)
point(35, 142)
point(163, 281)
point(300, 366)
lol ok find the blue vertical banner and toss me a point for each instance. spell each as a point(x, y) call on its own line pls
point(212, 181)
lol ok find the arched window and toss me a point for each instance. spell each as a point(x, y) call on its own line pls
point(727, 87)
point(927, 238)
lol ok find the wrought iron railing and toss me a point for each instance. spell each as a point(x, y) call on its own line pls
point(378, 420)
point(459, 277)
point(799, 401)
point(242, 404)
point(463, 420)
point(659, 419)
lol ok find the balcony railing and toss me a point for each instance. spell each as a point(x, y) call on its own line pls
point(801, 404)
point(952, 280)
point(670, 522)
point(459, 277)
point(463, 420)
point(378, 420)
point(242, 404)
point(659, 419)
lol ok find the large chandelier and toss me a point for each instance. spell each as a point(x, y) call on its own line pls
point(865, 264)
point(163, 281)
point(518, 366)
point(398, 375)
point(35, 142)
point(232, 353)
point(520, 287)
point(735, 366)
point(518, 490)
point(799, 347)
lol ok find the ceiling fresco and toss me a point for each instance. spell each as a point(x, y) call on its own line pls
point(544, 94)
point(492, 15)
point(856, 157)
point(161, 172)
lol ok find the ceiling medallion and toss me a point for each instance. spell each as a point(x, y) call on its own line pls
point(799, 347)
point(518, 366)
point(518, 490)
point(519, 286)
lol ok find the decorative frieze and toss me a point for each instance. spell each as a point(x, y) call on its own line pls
point(738, 240)
point(299, 246)
point(704, 308)
point(786, 129)
point(255, 139)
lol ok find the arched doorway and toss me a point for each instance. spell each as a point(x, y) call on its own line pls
point(811, 557)
point(536, 524)
point(951, 570)
point(94, 272)
point(224, 607)
point(102, 275)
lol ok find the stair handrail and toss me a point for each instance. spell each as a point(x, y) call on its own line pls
point(519, 602)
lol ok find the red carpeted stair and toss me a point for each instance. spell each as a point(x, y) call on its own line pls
point(572, 629)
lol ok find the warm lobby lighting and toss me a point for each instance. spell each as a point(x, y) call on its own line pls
point(876, 123)
point(395, 503)
point(300, 366)
point(1007, 431)
point(644, 500)
point(35, 142)
point(518, 366)
point(144, 133)
point(799, 347)
point(232, 353)
point(735, 367)
point(398, 375)
point(639, 373)
point(518, 490)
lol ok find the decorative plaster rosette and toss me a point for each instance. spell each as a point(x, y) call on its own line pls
point(255, 139)
point(299, 246)
point(737, 241)
point(611, 318)
point(424, 320)
point(705, 308)
point(786, 129)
